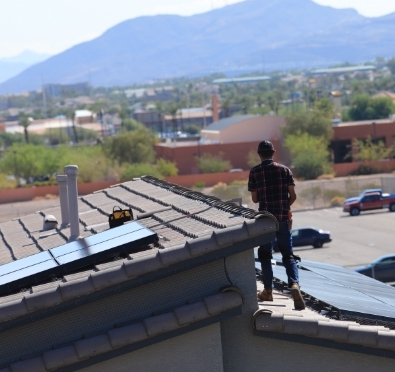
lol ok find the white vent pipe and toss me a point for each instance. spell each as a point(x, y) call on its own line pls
point(71, 172)
point(64, 200)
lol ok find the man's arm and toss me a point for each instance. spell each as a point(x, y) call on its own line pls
point(254, 196)
point(292, 194)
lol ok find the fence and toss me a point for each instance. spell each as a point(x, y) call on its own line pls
point(315, 194)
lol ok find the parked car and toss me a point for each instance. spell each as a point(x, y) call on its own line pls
point(310, 236)
point(382, 269)
point(369, 200)
point(304, 236)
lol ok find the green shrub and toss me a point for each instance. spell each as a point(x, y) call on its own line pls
point(208, 163)
point(166, 168)
point(199, 185)
point(364, 169)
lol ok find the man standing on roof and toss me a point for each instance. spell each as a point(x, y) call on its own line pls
point(273, 187)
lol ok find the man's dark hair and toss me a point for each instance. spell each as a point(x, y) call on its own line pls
point(266, 153)
point(266, 149)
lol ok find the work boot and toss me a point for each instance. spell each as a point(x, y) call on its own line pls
point(297, 297)
point(266, 295)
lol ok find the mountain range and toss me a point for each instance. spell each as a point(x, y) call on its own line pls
point(11, 66)
point(250, 35)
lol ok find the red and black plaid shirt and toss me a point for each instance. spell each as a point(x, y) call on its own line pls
point(270, 180)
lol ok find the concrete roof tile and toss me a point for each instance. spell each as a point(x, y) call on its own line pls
point(174, 254)
point(127, 335)
point(43, 299)
point(269, 322)
point(386, 340)
point(109, 277)
point(191, 313)
point(333, 331)
point(76, 288)
point(13, 309)
point(307, 327)
point(230, 235)
point(202, 245)
point(162, 323)
point(31, 365)
point(92, 346)
point(62, 357)
point(221, 302)
point(143, 264)
point(365, 336)
point(258, 226)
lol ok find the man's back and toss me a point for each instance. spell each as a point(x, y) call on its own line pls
point(270, 181)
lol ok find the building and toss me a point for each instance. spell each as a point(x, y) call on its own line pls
point(60, 90)
point(233, 138)
point(344, 133)
point(243, 128)
point(173, 290)
point(84, 117)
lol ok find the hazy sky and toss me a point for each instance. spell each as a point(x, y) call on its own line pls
point(51, 26)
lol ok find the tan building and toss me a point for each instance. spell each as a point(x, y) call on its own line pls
point(245, 128)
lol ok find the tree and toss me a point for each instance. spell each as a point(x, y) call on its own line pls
point(132, 147)
point(208, 163)
point(367, 108)
point(166, 168)
point(30, 161)
point(315, 123)
point(310, 155)
point(25, 121)
point(130, 124)
point(391, 65)
point(368, 150)
point(137, 170)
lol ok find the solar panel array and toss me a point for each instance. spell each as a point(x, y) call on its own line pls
point(351, 293)
point(66, 258)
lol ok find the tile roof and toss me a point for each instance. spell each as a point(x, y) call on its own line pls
point(279, 317)
point(150, 327)
point(189, 224)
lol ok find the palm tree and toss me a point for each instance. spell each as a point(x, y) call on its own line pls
point(25, 121)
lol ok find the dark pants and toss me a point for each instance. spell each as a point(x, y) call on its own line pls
point(284, 241)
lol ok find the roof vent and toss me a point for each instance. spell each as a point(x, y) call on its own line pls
point(64, 200)
point(50, 222)
point(71, 172)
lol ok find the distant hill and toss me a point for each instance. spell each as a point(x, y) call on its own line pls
point(12, 66)
point(273, 34)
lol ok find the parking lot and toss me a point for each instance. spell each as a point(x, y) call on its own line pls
point(356, 240)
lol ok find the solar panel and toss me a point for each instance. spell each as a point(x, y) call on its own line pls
point(351, 293)
point(37, 267)
point(58, 261)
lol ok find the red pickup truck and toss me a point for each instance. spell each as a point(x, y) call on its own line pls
point(369, 201)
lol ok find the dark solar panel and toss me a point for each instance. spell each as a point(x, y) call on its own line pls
point(349, 292)
point(129, 238)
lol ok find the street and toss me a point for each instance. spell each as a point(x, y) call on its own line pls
point(356, 241)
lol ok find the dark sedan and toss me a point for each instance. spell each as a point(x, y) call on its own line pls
point(310, 236)
point(382, 269)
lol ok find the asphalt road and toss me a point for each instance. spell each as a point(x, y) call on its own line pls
point(356, 240)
